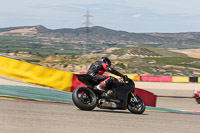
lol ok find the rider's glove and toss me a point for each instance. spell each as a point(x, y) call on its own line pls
point(125, 77)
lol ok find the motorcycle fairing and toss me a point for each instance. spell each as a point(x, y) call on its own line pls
point(121, 93)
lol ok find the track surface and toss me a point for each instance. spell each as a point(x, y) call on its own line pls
point(35, 117)
point(32, 117)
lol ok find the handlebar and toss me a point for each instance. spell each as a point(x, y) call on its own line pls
point(129, 81)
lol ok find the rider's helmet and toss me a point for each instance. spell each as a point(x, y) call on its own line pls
point(106, 60)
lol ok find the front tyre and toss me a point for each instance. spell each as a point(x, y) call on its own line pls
point(135, 104)
point(84, 98)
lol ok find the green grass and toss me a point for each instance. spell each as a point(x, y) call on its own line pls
point(179, 61)
point(12, 37)
point(32, 60)
point(164, 52)
point(148, 51)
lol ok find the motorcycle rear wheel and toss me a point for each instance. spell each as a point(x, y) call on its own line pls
point(135, 104)
point(198, 100)
point(84, 98)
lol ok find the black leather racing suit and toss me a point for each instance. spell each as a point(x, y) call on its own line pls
point(97, 70)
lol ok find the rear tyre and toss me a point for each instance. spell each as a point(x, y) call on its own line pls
point(135, 104)
point(198, 100)
point(84, 98)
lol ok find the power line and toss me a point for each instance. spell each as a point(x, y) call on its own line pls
point(87, 24)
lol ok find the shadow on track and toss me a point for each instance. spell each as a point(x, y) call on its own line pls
point(116, 111)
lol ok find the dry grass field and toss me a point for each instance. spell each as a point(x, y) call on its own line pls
point(195, 53)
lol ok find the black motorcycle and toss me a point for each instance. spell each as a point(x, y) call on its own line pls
point(119, 95)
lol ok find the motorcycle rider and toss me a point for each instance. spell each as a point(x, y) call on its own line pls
point(97, 69)
point(197, 95)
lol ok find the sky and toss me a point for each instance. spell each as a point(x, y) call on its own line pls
point(138, 16)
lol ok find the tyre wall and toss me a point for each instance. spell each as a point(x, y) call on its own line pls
point(35, 74)
point(156, 78)
point(166, 79)
point(148, 97)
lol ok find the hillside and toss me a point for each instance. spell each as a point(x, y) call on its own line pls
point(141, 53)
point(138, 60)
point(101, 35)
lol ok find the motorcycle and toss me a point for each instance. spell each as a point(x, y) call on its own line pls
point(197, 96)
point(120, 95)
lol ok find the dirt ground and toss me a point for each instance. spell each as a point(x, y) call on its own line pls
point(195, 53)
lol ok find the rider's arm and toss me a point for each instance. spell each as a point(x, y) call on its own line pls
point(112, 70)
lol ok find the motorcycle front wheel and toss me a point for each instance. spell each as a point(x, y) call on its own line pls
point(135, 104)
point(84, 98)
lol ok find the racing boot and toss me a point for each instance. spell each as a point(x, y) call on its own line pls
point(106, 94)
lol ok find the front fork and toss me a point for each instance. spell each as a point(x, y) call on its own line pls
point(133, 98)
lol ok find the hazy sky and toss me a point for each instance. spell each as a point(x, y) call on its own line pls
point(126, 15)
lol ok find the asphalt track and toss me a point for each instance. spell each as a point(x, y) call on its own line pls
point(35, 117)
point(39, 117)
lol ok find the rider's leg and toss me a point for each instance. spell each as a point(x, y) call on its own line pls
point(105, 83)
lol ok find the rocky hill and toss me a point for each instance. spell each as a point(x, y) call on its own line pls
point(101, 35)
